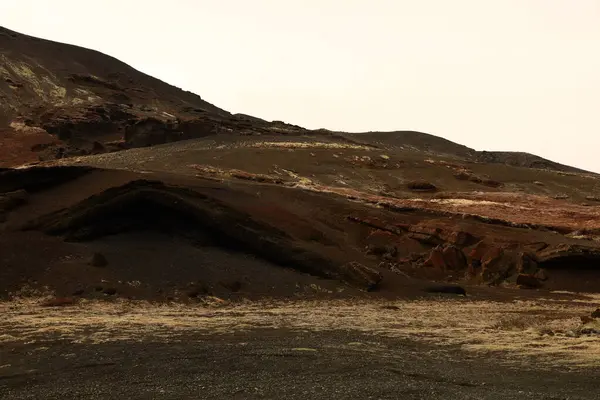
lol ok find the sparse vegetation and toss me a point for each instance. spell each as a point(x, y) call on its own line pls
point(547, 328)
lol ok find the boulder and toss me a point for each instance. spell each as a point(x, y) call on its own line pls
point(596, 313)
point(98, 260)
point(357, 274)
point(528, 281)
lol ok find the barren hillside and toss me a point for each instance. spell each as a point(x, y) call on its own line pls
point(116, 183)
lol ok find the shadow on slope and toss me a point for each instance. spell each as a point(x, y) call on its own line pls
point(145, 205)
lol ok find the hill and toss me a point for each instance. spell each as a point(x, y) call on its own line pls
point(115, 183)
point(59, 100)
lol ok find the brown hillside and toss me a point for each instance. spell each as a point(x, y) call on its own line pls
point(107, 197)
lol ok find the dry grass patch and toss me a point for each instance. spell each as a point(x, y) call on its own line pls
point(545, 329)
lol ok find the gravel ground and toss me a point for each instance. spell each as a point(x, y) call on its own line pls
point(311, 350)
point(275, 364)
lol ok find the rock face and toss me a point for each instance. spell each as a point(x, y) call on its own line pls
point(497, 265)
point(447, 258)
point(434, 236)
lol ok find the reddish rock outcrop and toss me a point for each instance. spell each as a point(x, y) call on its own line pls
point(433, 235)
point(436, 259)
point(454, 258)
point(497, 265)
point(447, 258)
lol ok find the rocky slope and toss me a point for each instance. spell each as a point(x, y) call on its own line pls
point(59, 100)
point(100, 195)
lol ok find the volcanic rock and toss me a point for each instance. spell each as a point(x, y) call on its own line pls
point(447, 258)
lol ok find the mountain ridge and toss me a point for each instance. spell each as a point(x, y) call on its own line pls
point(59, 100)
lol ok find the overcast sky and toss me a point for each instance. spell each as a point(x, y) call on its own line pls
point(491, 74)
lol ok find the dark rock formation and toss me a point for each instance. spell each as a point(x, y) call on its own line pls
point(567, 256)
point(143, 204)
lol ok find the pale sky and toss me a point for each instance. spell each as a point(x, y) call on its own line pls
point(519, 75)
